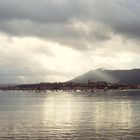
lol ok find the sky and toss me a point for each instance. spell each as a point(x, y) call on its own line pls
point(57, 40)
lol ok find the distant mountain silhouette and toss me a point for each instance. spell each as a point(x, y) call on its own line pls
point(112, 76)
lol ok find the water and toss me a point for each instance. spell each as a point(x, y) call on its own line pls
point(79, 116)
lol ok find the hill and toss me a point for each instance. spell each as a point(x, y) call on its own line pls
point(113, 76)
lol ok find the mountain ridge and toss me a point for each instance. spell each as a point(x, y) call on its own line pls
point(128, 76)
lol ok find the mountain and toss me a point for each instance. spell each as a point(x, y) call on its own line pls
point(113, 76)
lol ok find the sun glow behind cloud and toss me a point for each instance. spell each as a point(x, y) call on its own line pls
point(32, 59)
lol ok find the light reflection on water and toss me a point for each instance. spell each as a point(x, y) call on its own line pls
point(70, 116)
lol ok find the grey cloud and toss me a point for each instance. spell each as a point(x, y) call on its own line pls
point(122, 16)
point(64, 33)
point(40, 11)
point(23, 71)
point(49, 18)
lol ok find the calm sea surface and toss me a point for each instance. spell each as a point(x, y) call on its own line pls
point(79, 116)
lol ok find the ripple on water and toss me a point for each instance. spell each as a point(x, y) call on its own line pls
point(44, 116)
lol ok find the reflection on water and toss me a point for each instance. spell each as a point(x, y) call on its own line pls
point(111, 114)
point(70, 116)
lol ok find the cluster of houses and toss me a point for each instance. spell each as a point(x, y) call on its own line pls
point(69, 86)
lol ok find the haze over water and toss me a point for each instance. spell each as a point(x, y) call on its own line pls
point(33, 116)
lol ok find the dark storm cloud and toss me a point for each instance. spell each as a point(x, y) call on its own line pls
point(52, 19)
point(122, 16)
point(66, 34)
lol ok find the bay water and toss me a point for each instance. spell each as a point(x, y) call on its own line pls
point(111, 115)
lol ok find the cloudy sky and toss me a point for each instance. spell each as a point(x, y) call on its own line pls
point(56, 40)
